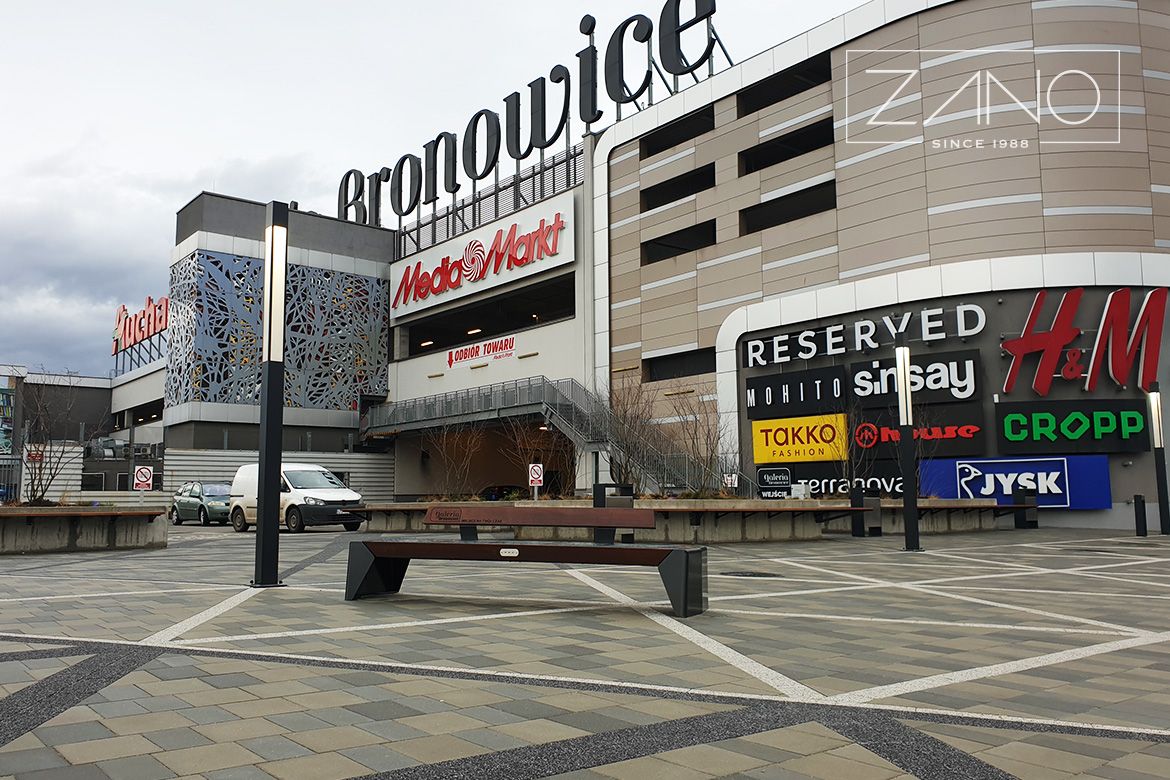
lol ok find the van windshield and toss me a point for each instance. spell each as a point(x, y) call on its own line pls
point(312, 479)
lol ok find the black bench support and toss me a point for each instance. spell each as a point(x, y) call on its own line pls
point(684, 573)
point(367, 574)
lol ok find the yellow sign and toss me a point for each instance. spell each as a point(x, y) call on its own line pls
point(817, 437)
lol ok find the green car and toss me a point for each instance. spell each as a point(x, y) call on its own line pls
point(202, 501)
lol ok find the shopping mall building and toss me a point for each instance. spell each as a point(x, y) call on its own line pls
point(723, 269)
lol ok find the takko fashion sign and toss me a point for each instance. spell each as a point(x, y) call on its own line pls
point(529, 242)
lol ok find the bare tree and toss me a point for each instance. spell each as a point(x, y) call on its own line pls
point(697, 430)
point(530, 442)
point(56, 431)
point(631, 433)
point(454, 446)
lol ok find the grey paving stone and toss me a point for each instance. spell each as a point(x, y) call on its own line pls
point(529, 710)
point(177, 739)
point(238, 773)
point(379, 758)
point(82, 772)
point(163, 703)
point(298, 721)
point(116, 709)
point(20, 761)
point(382, 710)
point(72, 732)
point(135, 768)
point(391, 730)
point(275, 748)
point(494, 716)
point(207, 715)
point(236, 680)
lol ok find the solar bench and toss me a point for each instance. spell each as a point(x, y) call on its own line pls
point(379, 567)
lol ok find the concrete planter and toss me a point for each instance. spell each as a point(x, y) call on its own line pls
point(26, 529)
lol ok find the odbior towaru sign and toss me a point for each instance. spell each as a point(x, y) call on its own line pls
point(529, 242)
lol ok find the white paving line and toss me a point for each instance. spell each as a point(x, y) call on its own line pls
point(380, 626)
point(520, 677)
point(996, 670)
point(1058, 592)
point(63, 597)
point(165, 636)
point(969, 559)
point(786, 685)
point(913, 621)
point(917, 587)
point(74, 577)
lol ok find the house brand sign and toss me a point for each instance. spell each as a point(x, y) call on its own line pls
point(413, 177)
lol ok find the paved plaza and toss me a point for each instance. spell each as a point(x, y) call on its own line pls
point(1031, 654)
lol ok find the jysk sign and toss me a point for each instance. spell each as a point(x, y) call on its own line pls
point(1072, 482)
point(531, 241)
point(819, 437)
point(1072, 426)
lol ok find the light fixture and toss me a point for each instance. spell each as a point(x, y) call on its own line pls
point(426, 344)
point(544, 427)
point(473, 331)
point(906, 454)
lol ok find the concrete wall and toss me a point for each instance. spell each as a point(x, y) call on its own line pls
point(80, 533)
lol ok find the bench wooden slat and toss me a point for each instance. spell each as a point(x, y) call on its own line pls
point(564, 517)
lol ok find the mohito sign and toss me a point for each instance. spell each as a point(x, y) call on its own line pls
point(413, 179)
point(1118, 347)
point(1072, 426)
point(534, 240)
point(927, 325)
point(819, 437)
point(131, 329)
point(492, 349)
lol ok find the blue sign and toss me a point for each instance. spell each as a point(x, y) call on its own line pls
point(1062, 482)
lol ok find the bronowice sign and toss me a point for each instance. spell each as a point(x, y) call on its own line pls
point(536, 239)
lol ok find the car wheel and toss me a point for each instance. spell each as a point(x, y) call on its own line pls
point(203, 519)
point(238, 521)
point(173, 516)
point(351, 526)
point(293, 520)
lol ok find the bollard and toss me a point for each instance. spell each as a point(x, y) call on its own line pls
point(1139, 514)
point(857, 518)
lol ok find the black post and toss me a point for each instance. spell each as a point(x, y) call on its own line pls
point(1139, 514)
point(1163, 501)
point(856, 499)
point(909, 485)
point(271, 399)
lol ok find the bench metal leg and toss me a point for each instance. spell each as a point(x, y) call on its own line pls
point(684, 573)
point(604, 535)
point(367, 575)
point(468, 533)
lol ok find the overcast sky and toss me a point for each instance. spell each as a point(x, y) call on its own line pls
point(116, 114)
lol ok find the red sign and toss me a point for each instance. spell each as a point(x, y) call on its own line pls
point(130, 329)
point(868, 435)
point(493, 349)
point(507, 251)
point(1116, 346)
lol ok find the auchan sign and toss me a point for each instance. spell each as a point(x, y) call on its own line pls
point(531, 241)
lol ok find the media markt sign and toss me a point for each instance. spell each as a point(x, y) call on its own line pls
point(1084, 426)
point(526, 243)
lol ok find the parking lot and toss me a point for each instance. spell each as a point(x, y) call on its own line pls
point(1018, 653)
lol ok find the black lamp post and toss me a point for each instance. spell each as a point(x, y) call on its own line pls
point(1155, 398)
point(271, 397)
point(906, 445)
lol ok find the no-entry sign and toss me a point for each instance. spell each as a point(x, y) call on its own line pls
point(144, 478)
point(535, 474)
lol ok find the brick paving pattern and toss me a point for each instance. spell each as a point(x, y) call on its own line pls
point(1031, 654)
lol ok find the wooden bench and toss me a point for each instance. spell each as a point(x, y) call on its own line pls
point(379, 567)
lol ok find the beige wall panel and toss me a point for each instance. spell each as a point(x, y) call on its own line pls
point(626, 335)
point(726, 169)
point(902, 34)
point(1075, 158)
point(656, 307)
point(878, 170)
point(796, 250)
point(729, 288)
point(864, 196)
point(911, 203)
point(626, 167)
point(881, 228)
point(728, 190)
point(729, 208)
point(818, 265)
point(726, 228)
point(982, 189)
point(940, 27)
point(1102, 239)
point(629, 209)
point(622, 319)
point(744, 268)
point(623, 244)
point(795, 283)
point(806, 166)
point(624, 286)
point(1024, 226)
point(896, 248)
point(744, 135)
point(816, 226)
point(708, 334)
point(669, 221)
point(951, 169)
point(669, 332)
point(1160, 170)
point(670, 169)
point(651, 317)
point(664, 269)
point(623, 363)
point(988, 246)
point(729, 247)
point(1111, 28)
point(795, 106)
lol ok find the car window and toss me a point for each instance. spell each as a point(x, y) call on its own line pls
point(196, 491)
point(216, 489)
point(312, 479)
point(184, 489)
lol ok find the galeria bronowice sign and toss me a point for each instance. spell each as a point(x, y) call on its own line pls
point(531, 241)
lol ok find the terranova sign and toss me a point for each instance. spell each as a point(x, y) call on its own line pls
point(526, 243)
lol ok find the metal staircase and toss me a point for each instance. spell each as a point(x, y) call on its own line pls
point(583, 416)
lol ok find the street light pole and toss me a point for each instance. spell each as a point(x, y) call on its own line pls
point(906, 445)
point(271, 397)
point(1155, 398)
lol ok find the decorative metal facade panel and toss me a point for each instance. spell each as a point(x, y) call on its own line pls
point(336, 342)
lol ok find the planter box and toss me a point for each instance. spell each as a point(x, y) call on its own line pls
point(80, 528)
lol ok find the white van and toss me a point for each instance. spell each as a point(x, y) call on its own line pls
point(309, 495)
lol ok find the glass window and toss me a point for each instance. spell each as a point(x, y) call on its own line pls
point(312, 479)
point(214, 489)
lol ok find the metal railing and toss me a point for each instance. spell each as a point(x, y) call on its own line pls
point(585, 417)
point(551, 176)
